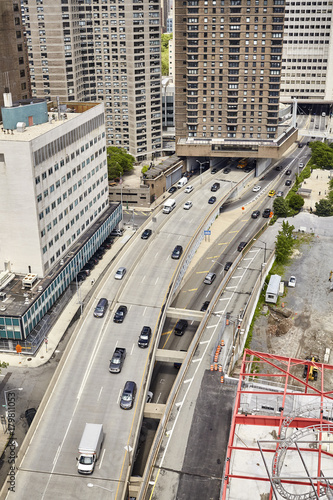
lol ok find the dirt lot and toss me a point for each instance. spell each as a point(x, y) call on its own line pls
point(303, 326)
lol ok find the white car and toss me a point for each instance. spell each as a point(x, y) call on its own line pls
point(292, 281)
point(189, 189)
point(256, 188)
point(188, 205)
point(301, 164)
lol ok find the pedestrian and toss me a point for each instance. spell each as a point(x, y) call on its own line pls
point(92, 282)
point(325, 191)
point(330, 278)
point(317, 177)
point(319, 193)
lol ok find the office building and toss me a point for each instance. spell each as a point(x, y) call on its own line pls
point(307, 63)
point(14, 74)
point(228, 56)
point(101, 50)
point(55, 211)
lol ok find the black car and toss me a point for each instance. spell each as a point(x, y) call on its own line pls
point(93, 260)
point(212, 200)
point(288, 172)
point(177, 252)
point(227, 266)
point(173, 189)
point(241, 246)
point(266, 213)
point(214, 170)
point(144, 338)
point(288, 182)
point(117, 360)
point(146, 233)
point(180, 327)
point(106, 245)
point(29, 415)
point(227, 170)
point(255, 214)
point(215, 186)
point(278, 168)
point(89, 265)
point(120, 314)
point(81, 276)
point(205, 305)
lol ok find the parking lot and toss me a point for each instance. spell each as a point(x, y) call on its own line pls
point(302, 324)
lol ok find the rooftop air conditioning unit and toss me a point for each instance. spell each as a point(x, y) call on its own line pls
point(20, 127)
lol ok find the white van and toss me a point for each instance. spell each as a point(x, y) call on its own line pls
point(182, 182)
point(323, 113)
point(168, 206)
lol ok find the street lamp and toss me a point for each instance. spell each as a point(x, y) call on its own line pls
point(200, 165)
point(91, 485)
point(11, 390)
point(219, 263)
point(264, 242)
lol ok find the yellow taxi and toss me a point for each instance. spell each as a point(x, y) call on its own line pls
point(271, 193)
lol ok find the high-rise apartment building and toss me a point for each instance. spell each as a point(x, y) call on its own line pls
point(228, 58)
point(307, 63)
point(106, 50)
point(14, 68)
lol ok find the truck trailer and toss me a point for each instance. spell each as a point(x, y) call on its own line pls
point(89, 448)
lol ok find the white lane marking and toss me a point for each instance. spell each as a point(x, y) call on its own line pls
point(179, 404)
point(119, 396)
point(208, 293)
point(156, 280)
point(101, 461)
point(143, 279)
point(56, 455)
point(237, 277)
point(160, 394)
point(204, 342)
point(144, 311)
point(132, 349)
point(188, 380)
point(116, 344)
point(224, 298)
point(100, 392)
point(196, 360)
point(156, 254)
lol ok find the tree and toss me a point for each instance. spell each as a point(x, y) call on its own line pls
point(324, 208)
point(280, 207)
point(119, 162)
point(165, 39)
point(322, 154)
point(296, 202)
point(284, 243)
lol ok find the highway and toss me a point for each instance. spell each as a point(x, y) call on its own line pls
point(85, 390)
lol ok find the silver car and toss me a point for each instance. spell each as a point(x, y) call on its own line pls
point(120, 273)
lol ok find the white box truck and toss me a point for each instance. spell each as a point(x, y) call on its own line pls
point(168, 206)
point(182, 182)
point(89, 448)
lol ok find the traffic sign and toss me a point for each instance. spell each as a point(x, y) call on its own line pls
point(207, 233)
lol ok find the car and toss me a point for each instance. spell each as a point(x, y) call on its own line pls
point(288, 172)
point(117, 232)
point(266, 213)
point(215, 186)
point(180, 327)
point(177, 252)
point(188, 205)
point(241, 246)
point(120, 273)
point(144, 337)
point(150, 396)
point(187, 175)
point(227, 266)
point(255, 214)
point(214, 170)
point(288, 182)
point(292, 282)
point(312, 119)
point(81, 276)
point(177, 364)
point(205, 305)
point(248, 169)
point(316, 126)
point(109, 240)
point(146, 234)
point(280, 193)
point(85, 270)
point(98, 255)
point(29, 415)
point(173, 189)
point(93, 260)
point(227, 170)
point(209, 278)
point(128, 395)
point(88, 266)
point(301, 164)
point(188, 189)
point(106, 245)
point(212, 200)
point(101, 308)
point(300, 145)
point(117, 360)
point(100, 251)
point(256, 188)
point(271, 193)
point(120, 314)
point(278, 168)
